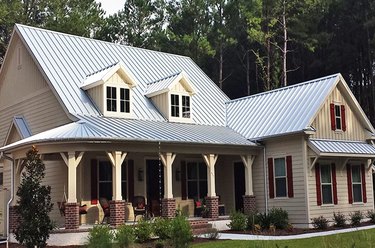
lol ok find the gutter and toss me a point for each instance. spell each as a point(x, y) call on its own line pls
point(2, 155)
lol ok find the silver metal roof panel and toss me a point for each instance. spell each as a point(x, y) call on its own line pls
point(341, 146)
point(23, 128)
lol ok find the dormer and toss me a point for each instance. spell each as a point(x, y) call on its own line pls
point(111, 90)
point(172, 95)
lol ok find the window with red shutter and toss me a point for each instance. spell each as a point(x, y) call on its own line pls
point(363, 172)
point(290, 176)
point(349, 181)
point(271, 187)
point(332, 113)
point(343, 118)
point(334, 182)
point(318, 189)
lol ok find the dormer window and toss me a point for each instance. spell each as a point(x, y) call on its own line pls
point(124, 100)
point(175, 106)
point(115, 104)
point(186, 106)
point(111, 99)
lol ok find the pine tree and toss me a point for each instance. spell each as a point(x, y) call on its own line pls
point(34, 203)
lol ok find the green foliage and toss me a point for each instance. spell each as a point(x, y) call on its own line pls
point(320, 223)
point(143, 231)
point(279, 218)
point(371, 215)
point(100, 236)
point(34, 203)
point(238, 221)
point(252, 220)
point(212, 234)
point(162, 228)
point(339, 219)
point(124, 236)
point(356, 218)
point(181, 232)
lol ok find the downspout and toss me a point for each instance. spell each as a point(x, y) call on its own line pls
point(2, 155)
point(265, 180)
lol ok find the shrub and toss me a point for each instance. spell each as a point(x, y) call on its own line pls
point(237, 221)
point(371, 215)
point(264, 220)
point(100, 237)
point(181, 230)
point(162, 228)
point(279, 218)
point(212, 234)
point(356, 218)
point(252, 220)
point(125, 236)
point(143, 231)
point(339, 219)
point(320, 223)
point(34, 203)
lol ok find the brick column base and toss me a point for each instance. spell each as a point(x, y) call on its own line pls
point(14, 218)
point(249, 204)
point(71, 215)
point(168, 207)
point(117, 212)
point(212, 203)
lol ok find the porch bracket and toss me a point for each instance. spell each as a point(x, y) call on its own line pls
point(210, 160)
point(312, 164)
point(72, 161)
point(343, 165)
point(370, 163)
point(19, 166)
point(167, 160)
point(248, 161)
point(116, 158)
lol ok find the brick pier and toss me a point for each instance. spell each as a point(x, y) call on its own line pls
point(168, 207)
point(117, 212)
point(212, 203)
point(249, 204)
point(71, 215)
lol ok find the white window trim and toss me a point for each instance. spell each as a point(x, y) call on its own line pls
point(331, 184)
point(286, 178)
point(336, 116)
point(180, 118)
point(360, 183)
point(117, 113)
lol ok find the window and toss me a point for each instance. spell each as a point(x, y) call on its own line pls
point(356, 183)
point(280, 177)
point(326, 184)
point(175, 105)
point(124, 100)
point(111, 99)
point(338, 117)
point(338, 122)
point(196, 180)
point(185, 106)
point(105, 180)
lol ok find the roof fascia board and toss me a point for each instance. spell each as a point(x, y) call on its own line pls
point(7, 51)
point(316, 150)
point(70, 115)
point(355, 155)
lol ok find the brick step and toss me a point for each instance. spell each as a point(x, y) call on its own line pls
point(200, 221)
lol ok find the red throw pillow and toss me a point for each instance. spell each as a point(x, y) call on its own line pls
point(198, 204)
point(140, 205)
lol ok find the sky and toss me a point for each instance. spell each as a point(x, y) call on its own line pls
point(111, 6)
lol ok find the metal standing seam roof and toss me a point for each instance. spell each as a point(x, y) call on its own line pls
point(66, 60)
point(23, 128)
point(161, 84)
point(281, 111)
point(342, 146)
point(106, 128)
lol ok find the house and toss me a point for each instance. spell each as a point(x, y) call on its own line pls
point(117, 122)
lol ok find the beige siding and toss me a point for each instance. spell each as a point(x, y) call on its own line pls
point(224, 172)
point(97, 96)
point(322, 122)
point(162, 103)
point(342, 193)
point(179, 88)
point(296, 206)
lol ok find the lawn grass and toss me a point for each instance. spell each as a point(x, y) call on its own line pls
point(358, 239)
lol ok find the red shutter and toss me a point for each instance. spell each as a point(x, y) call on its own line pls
point(363, 172)
point(317, 181)
point(289, 176)
point(334, 182)
point(271, 178)
point(333, 119)
point(183, 181)
point(343, 121)
point(94, 181)
point(349, 179)
point(130, 180)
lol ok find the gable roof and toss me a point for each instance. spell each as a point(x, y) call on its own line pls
point(65, 61)
point(20, 124)
point(286, 110)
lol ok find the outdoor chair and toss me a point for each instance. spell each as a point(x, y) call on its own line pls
point(105, 206)
point(61, 206)
point(139, 205)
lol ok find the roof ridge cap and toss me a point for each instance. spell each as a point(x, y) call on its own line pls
point(103, 69)
point(169, 76)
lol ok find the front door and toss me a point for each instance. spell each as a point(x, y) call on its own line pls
point(155, 185)
point(239, 184)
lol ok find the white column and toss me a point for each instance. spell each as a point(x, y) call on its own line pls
point(116, 158)
point(248, 161)
point(167, 160)
point(210, 160)
point(72, 162)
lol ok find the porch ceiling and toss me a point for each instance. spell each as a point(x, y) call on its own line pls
point(341, 148)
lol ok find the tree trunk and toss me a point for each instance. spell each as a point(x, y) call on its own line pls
point(221, 61)
point(248, 72)
point(285, 48)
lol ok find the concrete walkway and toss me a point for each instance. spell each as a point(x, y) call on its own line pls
point(299, 236)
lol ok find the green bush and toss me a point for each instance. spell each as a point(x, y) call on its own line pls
point(162, 228)
point(100, 236)
point(279, 218)
point(339, 219)
point(181, 232)
point(238, 221)
point(252, 220)
point(212, 234)
point(371, 215)
point(356, 218)
point(320, 223)
point(143, 231)
point(264, 220)
point(125, 236)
